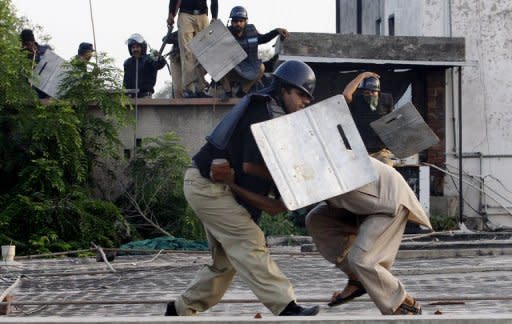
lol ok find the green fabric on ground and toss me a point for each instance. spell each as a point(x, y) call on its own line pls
point(166, 243)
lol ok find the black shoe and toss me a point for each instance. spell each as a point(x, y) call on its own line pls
point(202, 95)
point(171, 310)
point(226, 96)
point(189, 94)
point(295, 310)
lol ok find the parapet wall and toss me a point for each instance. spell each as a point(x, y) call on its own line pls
point(190, 119)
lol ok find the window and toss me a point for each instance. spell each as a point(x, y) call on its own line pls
point(391, 25)
point(359, 14)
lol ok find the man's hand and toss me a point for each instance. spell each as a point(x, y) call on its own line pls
point(222, 173)
point(170, 21)
point(283, 32)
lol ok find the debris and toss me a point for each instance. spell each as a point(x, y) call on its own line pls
point(447, 302)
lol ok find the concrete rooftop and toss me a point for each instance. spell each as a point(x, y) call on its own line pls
point(464, 284)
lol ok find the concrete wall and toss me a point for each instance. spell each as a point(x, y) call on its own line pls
point(190, 119)
point(348, 16)
point(486, 96)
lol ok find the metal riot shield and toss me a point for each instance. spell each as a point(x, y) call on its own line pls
point(48, 73)
point(217, 50)
point(404, 131)
point(314, 154)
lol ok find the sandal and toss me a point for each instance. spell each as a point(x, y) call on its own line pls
point(412, 308)
point(338, 300)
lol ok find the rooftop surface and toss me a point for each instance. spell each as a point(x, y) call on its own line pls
point(468, 284)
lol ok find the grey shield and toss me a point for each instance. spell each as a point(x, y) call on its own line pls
point(404, 131)
point(48, 73)
point(314, 154)
point(217, 50)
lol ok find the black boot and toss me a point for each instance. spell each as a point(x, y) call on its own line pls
point(295, 310)
point(171, 310)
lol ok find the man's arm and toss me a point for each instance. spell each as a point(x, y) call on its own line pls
point(257, 170)
point(269, 205)
point(172, 12)
point(225, 175)
point(265, 38)
point(351, 87)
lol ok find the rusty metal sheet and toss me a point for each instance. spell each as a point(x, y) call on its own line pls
point(404, 131)
point(48, 73)
point(217, 50)
point(314, 154)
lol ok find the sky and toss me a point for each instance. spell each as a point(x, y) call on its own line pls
point(68, 22)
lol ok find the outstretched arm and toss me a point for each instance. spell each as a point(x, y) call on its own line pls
point(224, 174)
point(265, 38)
point(351, 87)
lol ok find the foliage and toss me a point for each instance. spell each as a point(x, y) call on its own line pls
point(282, 224)
point(14, 68)
point(157, 191)
point(443, 222)
point(47, 149)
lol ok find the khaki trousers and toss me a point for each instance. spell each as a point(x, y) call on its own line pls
point(192, 71)
point(237, 245)
point(364, 246)
point(177, 88)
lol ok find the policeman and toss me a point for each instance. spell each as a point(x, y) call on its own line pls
point(140, 70)
point(362, 95)
point(250, 70)
point(34, 49)
point(34, 52)
point(192, 18)
point(229, 204)
point(85, 51)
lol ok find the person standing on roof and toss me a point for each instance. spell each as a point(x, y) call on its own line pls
point(192, 18)
point(140, 69)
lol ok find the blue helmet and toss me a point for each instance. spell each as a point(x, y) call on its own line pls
point(370, 83)
point(297, 74)
point(238, 12)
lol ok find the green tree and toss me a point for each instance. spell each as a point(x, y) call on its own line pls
point(46, 153)
point(155, 201)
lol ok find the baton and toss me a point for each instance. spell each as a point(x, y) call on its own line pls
point(165, 39)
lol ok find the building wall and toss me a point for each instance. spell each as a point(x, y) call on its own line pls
point(348, 16)
point(190, 119)
point(486, 96)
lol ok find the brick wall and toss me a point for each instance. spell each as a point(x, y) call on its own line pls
point(435, 116)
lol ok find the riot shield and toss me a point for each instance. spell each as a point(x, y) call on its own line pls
point(314, 154)
point(48, 73)
point(217, 50)
point(404, 131)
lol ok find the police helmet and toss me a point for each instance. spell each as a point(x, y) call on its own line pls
point(137, 39)
point(238, 12)
point(370, 83)
point(297, 74)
